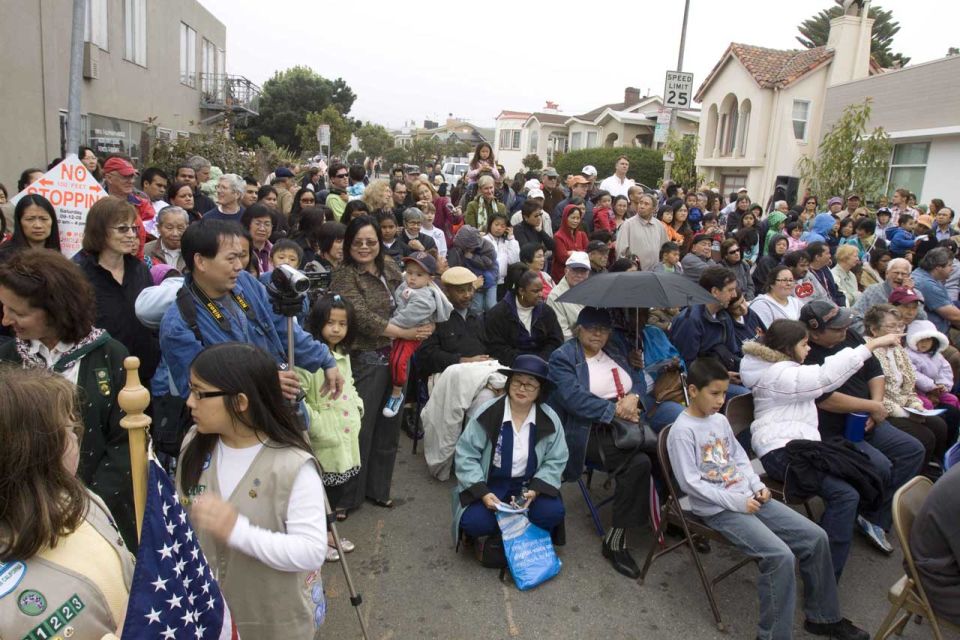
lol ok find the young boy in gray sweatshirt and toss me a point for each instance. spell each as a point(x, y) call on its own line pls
point(714, 471)
point(419, 301)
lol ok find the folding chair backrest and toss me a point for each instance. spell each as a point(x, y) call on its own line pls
point(906, 504)
point(952, 457)
point(666, 467)
point(740, 413)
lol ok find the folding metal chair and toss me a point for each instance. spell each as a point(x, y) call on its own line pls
point(907, 593)
point(673, 511)
point(951, 457)
point(740, 416)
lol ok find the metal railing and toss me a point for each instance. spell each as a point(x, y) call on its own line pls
point(225, 92)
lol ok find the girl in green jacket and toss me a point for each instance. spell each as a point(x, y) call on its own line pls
point(334, 422)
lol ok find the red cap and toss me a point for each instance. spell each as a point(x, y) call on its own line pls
point(902, 295)
point(119, 165)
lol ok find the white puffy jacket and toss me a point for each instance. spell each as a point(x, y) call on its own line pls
point(784, 392)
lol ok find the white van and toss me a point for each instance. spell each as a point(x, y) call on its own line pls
point(452, 171)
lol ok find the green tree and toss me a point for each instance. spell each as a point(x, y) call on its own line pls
point(340, 130)
point(356, 157)
point(646, 165)
point(423, 151)
point(683, 171)
point(532, 162)
point(814, 32)
point(374, 139)
point(394, 157)
point(849, 160)
point(454, 148)
point(215, 145)
point(287, 99)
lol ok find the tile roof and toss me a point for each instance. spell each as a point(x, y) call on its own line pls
point(770, 67)
point(549, 118)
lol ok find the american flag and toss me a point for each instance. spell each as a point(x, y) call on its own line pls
point(173, 595)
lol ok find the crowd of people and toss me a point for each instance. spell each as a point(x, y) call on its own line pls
point(425, 285)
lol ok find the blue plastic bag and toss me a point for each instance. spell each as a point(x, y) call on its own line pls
point(529, 550)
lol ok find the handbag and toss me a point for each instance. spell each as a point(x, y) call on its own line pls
point(668, 387)
point(627, 434)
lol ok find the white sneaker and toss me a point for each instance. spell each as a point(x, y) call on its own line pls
point(332, 554)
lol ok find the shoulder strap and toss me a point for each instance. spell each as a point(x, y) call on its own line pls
point(188, 311)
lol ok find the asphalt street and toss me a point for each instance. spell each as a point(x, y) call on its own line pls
point(414, 585)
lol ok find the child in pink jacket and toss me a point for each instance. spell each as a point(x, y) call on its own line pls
point(934, 375)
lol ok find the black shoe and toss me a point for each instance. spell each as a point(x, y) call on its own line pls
point(622, 561)
point(842, 630)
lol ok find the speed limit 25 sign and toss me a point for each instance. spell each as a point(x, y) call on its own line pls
point(677, 90)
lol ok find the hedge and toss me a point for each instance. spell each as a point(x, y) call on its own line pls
point(646, 165)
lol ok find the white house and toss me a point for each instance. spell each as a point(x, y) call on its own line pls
point(925, 132)
point(762, 108)
point(508, 138)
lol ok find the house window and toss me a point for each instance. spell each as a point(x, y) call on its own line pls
point(534, 141)
point(164, 134)
point(591, 140)
point(95, 24)
point(135, 31)
point(188, 56)
point(575, 140)
point(908, 167)
point(208, 55)
point(744, 125)
point(730, 143)
point(510, 140)
point(801, 118)
point(730, 183)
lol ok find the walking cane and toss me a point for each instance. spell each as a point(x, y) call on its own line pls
point(134, 398)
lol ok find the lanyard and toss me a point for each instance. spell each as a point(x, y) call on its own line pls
point(217, 314)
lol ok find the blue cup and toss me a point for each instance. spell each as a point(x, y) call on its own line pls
point(855, 427)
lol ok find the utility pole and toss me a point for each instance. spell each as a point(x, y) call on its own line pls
point(76, 77)
point(668, 165)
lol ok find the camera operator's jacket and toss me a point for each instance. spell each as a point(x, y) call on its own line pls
point(269, 332)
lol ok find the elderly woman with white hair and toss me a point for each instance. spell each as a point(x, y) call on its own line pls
point(847, 258)
point(172, 221)
point(485, 204)
point(230, 189)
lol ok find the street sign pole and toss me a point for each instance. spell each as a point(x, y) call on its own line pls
point(668, 164)
point(76, 77)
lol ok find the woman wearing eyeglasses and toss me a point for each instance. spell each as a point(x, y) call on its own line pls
point(731, 257)
point(108, 259)
point(254, 492)
point(513, 448)
point(49, 306)
point(367, 281)
point(778, 303)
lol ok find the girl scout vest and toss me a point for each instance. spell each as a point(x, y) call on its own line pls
point(41, 600)
point(265, 603)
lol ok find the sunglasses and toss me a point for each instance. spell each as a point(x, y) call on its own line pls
point(124, 229)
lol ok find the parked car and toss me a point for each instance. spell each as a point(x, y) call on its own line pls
point(452, 171)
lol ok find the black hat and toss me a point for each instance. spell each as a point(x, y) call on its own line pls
point(597, 245)
point(701, 237)
point(819, 315)
point(594, 317)
point(530, 365)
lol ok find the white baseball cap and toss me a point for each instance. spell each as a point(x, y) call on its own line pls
point(578, 259)
point(532, 183)
point(589, 170)
point(535, 193)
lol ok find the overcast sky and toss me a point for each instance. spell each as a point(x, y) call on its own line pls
point(425, 60)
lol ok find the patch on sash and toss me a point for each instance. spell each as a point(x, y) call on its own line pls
point(32, 602)
point(11, 573)
point(57, 623)
point(103, 381)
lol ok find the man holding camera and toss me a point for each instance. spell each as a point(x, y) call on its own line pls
point(220, 302)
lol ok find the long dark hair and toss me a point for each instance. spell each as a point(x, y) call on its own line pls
point(476, 156)
point(319, 315)
point(784, 335)
point(35, 199)
point(267, 410)
point(353, 228)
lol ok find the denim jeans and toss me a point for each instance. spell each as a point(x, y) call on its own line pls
point(665, 414)
point(484, 300)
point(841, 502)
point(777, 536)
point(897, 457)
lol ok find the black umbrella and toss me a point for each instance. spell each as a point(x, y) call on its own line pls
point(637, 289)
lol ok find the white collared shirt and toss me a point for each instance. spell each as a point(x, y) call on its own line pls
point(170, 256)
point(616, 187)
point(72, 372)
point(521, 439)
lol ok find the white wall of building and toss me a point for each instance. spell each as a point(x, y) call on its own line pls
point(511, 159)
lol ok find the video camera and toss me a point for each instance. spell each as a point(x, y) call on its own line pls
point(288, 286)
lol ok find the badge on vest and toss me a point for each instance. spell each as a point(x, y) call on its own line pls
point(58, 622)
point(11, 573)
point(193, 493)
point(103, 381)
point(32, 602)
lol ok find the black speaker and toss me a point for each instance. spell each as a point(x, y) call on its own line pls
point(790, 185)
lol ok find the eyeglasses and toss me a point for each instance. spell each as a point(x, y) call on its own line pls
point(200, 395)
point(785, 281)
point(895, 326)
point(524, 386)
point(124, 229)
point(596, 328)
point(263, 224)
point(357, 244)
point(341, 175)
point(733, 251)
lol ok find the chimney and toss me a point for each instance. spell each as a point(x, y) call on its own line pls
point(631, 96)
point(551, 107)
point(850, 40)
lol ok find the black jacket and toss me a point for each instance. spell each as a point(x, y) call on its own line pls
point(456, 338)
point(524, 234)
point(507, 338)
point(116, 311)
point(810, 461)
